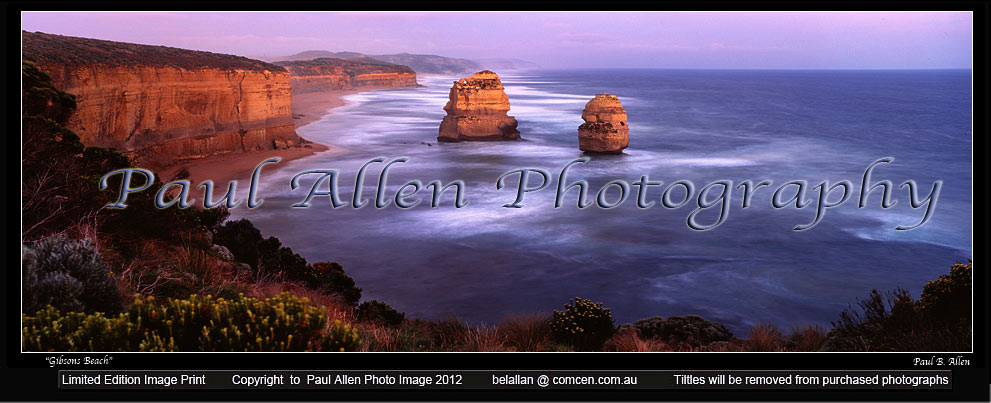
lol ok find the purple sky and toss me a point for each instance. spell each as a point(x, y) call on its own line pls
point(559, 39)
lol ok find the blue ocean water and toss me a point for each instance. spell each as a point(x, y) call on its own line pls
point(483, 262)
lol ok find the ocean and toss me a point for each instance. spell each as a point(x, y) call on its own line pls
point(483, 262)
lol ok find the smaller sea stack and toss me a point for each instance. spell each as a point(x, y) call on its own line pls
point(605, 129)
point(477, 110)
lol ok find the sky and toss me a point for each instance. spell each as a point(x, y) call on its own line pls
point(747, 40)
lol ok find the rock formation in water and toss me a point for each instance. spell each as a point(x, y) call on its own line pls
point(477, 110)
point(326, 74)
point(163, 105)
point(605, 129)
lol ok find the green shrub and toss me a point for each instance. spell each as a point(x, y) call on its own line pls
point(241, 238)
point(58, 173)
point(948, 298)
point(691, 330)
point(211, 218)
point(893, 321)
point(267, 255)
point(69, 275)
point(329, 277)
point(280, 323)
point(380, 313)
point(41, 98)
point(585, 325)
point(276, 258)
point(208, 219)
point(877, 324)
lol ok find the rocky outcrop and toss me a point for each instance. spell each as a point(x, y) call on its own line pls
point(327, 74)
point(163, 105)
point(477, 110)
point(675, 330)
point(605, 129)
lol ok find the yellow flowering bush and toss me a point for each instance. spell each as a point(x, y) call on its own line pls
point(197, 323)
point(585, 325)
point(340, 337)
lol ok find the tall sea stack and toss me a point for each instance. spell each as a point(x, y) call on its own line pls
point(477, 110)
point(605, 129)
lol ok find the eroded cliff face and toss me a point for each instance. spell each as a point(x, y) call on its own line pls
point(328, 74)
point(605, 129)
point(164, 105)
point(478, 110)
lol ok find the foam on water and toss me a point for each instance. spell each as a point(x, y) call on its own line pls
point(699, 126)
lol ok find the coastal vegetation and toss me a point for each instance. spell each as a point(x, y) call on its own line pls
point(940, 320)
point(583, 324)
point(49, 48)
point(146, 279)
point(196, 323)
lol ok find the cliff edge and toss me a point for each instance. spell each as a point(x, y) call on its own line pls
point(163, 105)
point(327, 74)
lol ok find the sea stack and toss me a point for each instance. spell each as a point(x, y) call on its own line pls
point(605, 129)
point(477, 110)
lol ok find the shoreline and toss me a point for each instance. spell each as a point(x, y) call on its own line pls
point(306, 108)
point(311, 107)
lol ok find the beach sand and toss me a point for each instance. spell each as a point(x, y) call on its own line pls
point(306, 109)
point(310, 107)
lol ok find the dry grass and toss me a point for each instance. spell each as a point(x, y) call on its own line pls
point(724, 346)
point(266, 285)
point(448, 333)
point(379, 338)
point(144, 274)
point(269, 285)
point(630, 341)
point(764, 337)
point(529, 332)
point(809, 338)
point(156, 269)
point(451, 334)
point(481, 339)
point(202, 273)
point(336, 309)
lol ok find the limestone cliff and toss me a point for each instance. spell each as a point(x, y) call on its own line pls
point(422, 64)
point(605, 129)
point(477, 110)
point(163, 105)
point(325, 74)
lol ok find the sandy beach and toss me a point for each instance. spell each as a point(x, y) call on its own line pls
point(310, 107)
point(307, 108)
